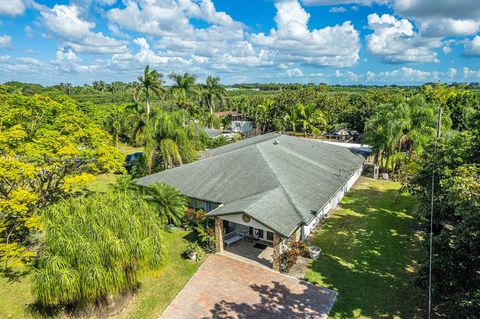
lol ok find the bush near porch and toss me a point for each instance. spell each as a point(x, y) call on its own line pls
point(158, 288)
point(369, 255)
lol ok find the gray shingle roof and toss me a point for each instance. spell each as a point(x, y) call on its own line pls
point(279, 180)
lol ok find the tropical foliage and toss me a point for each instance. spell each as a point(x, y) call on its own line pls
point(168, 202)
point(48, 149)
point(94, 247)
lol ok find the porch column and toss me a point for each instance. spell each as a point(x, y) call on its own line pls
point(276, 252)
point(218, 234)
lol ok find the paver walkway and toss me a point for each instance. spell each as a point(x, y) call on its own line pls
point(225, 287)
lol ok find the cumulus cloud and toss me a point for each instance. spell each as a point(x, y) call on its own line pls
point(470, 74)
point(11, 7)
point(5, 41)
point(331, 46)
point(65, 21)
point(472, 48)
point(442, 17)
point(294, 73)
point(404, 75)
point(394, 41)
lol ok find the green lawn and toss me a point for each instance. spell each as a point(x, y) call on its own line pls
point(369, 254)
point(157, 290)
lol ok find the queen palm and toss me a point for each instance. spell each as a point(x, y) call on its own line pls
point(184, 89)
point(137, 119)
point(168, 202)
point(212, 91)
point(151, 81)
point(172, 137)
point(307, 118)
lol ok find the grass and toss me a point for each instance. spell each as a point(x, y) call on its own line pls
point(369, 254)
point(158, 288)
point(100, 184)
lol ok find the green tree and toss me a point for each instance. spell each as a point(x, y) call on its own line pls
point(306, 118)
point(168, 202)
point(184, 89)
point(213, 91)
point(173, 138)
point(96, 247)
point(151, 82)
point(48, 149)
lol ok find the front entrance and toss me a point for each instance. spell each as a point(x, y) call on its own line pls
point(248, 231)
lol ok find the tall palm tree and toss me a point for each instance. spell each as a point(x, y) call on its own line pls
point(174, 137)
point(137, 118)
point(213, 90)
point(306, 118)
point(151, 81)
point(170, 204)
point(184, 89)
point(114, 123)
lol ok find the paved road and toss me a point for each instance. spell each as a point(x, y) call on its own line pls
point(225, 287)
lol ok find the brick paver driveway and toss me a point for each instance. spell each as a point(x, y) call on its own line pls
point(225, 287)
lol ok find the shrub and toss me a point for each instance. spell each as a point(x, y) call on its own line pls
point(301, 248)
point(195, 252)
point(95, 247)
point(289, 258)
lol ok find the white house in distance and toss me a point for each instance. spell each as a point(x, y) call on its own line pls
point(238, 123)
point(272, 188)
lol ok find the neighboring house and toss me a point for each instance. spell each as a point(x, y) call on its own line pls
point(238, 123)
point(217, 133)
point(275, 186)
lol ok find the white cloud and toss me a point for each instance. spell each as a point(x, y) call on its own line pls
point(337, 9)
point(446, 49)
point(472, 48)
point(5, 41)
point(452, 72)
point(29, 60)
point(394, 41)
point(65, 22)
point(404, 75)
point(331, 46)
point(4, 58)
point(442, 17)
point(469, 74)
point(28, 31)
point(295, 73)
point(11, 7)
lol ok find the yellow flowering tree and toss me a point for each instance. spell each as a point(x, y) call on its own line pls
point(48, 149)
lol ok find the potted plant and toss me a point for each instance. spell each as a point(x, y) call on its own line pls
point(194, 252)
point(314, 251)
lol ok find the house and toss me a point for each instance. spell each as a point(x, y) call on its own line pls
point(218, 133)
point(238, 122)
point(275, 187)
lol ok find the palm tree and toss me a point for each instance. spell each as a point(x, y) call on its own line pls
point(174, 137)
point(94, 247)
point(151, 81)
point(184, 89)
point(308, 118)
point(170, 204)
point(213, 90)
point(137, 118)
point(114, 123)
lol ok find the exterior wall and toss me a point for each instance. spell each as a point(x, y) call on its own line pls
point(198, 204)
point(307, 229)
point(241, 126)
point(237, 218)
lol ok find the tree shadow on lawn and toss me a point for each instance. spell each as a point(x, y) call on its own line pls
point(279, 302)
point(369, 253)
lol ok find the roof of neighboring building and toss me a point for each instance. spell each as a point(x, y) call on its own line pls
point(214, 133)
point(225, 113)
point(281, 181)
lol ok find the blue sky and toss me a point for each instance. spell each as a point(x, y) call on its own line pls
point(329, 41)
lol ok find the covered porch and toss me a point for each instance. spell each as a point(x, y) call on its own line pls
point(240, 235)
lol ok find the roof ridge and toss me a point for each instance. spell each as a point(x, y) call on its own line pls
point(289, 198)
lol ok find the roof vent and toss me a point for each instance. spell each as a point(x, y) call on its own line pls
point(275, 142)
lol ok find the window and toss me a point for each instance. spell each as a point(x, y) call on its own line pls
point(269, 235)
point(260, 233)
